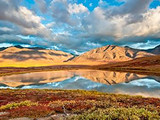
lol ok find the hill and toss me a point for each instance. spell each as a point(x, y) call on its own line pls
point(145, 65)
point(111, 53)
point(19, 56)
point(155, 50)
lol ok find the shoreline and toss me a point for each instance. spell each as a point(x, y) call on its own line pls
point(143, 65)
point(4, 71)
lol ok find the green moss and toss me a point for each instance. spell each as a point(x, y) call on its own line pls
point(15, 105)
point(117, 114)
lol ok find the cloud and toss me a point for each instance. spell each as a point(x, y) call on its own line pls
point(131, 7)
point(17, 15)
point(50, 25)
point(6, 29)
point(73, 26)
point(60, 12)
point(24, 40)
point(42, 5)
point(118, 26)
point(148, 26)
point(32, 23)
point(67, 13)
point(97, 25)
point(144, 45)
point(7, 38)
point(29, 23)
point(77, 8)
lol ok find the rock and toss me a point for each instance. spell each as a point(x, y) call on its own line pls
point(23, 118)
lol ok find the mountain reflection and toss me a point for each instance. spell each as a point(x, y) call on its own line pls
point(103, 77)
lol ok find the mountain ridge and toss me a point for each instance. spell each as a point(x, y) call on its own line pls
point(155, 50)
point(36, 56)
point(111, 53)
point(15, 56)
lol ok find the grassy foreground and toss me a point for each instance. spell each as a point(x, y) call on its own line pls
point(76, 105)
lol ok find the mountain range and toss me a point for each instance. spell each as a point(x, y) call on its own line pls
point(21, 56)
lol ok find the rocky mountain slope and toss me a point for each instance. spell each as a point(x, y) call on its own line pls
point(31, 57)
point(155, 50)
point(111, 53)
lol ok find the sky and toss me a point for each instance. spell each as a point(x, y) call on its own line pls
point(77, 26)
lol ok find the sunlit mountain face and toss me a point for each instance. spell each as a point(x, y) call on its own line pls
point(76, 26)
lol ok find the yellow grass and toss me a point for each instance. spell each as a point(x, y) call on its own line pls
point(34, 63)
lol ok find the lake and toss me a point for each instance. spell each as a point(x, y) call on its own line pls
point(103, 81)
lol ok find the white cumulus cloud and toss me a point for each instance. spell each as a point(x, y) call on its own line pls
point(77, 8)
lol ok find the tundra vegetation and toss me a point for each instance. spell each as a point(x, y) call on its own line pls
point(76, 105)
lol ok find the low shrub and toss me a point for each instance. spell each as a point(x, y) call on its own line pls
point(117, 114)
point(15, 105)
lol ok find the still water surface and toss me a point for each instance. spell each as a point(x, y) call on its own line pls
point(104, 81)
